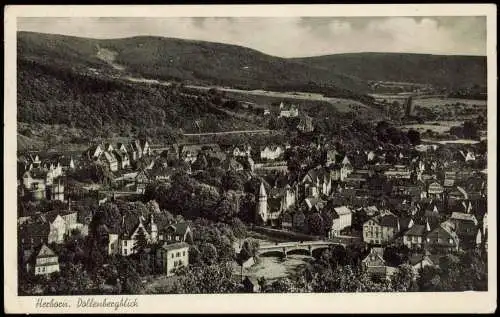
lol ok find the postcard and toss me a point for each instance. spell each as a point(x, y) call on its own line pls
point(250, 158)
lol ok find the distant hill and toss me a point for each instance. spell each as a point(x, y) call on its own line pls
point(443, 71)
point(195, 62)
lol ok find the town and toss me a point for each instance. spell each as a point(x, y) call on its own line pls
point(395, 213)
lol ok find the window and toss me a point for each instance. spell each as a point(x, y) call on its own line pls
point(125, 242)
point(172, 255)
point(183, 253)
point(178, 254)
point(124, 251)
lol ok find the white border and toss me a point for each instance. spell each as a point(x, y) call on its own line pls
point(259, 303)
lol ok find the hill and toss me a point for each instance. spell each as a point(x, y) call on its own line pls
point(51, 95)
point(451, 72)
point(194, 62)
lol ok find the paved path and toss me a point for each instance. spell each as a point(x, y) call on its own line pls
point(227, 132)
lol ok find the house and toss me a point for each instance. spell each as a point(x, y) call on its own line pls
point(178, 232)
point(171, 152)
point(414, 237)
point(94, 152)
point(457, 194)
point(435, 190)
point(141, 180)
point(61, 223)
point(398, 173)
point(127, 241)
point(332, 156)
point(173, 256)
point(137, 149)
point(122, 158)
point(45, 262)
point(241, 151)
point(189, 152)
point(111, 161)
point(145, 146)
point(375, 266)
point(381, 228)
point(464, 224)
point(34, 183)
point(342, 218)
point(288, 112)
point(305, 124)
point(469, 156)
point(316, 182)
point(285, 196)
point(420, 260)
point(442, 238)
point(230, 164)
point(272, 152)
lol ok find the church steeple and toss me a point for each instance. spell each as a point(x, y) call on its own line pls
point(262, 204)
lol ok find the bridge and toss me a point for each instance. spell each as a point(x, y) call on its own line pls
point(306, 247)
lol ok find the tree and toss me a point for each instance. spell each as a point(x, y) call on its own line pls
point(414, 137)
point(208, 253)
point(315, 224)
point(403, 279)
point(208, 279)
point(141, 242)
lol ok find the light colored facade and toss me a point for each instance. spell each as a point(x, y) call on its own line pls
point(341, 220)
point(111, 161)
point(174, 256)
point(414, 237)
point(380, 229)
point(46, 261)
point(272, 153)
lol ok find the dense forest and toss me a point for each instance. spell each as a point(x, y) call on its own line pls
point(194, 62)
point(452, 72)
point(52, 95)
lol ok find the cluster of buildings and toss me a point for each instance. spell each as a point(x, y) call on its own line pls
point(119, 157)
point(42, 177)
point(430, 205)
point(393, 195)
point(167, 242)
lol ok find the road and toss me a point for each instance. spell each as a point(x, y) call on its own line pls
point(276, 94)
point(227, 132)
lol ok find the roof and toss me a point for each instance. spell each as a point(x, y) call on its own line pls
point(463, 216)
point(262, 190)
point(180, 227)
point(109, 156)
point(343, 210)
point(386, 220)
point(37, 173)
point(231, 164)
point(416, 230)
point(45, 252)
point(175, 246)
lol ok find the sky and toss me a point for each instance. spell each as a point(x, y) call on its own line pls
point(290, 36)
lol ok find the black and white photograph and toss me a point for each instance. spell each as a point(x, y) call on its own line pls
point(305, 154)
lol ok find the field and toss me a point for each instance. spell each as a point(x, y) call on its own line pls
point(263, 99)
point(436, 102)
point(436, 126)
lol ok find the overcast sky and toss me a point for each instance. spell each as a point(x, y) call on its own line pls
point(294, 36)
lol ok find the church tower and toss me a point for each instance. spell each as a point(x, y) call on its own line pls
point(262, 204)
point(154, 230)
